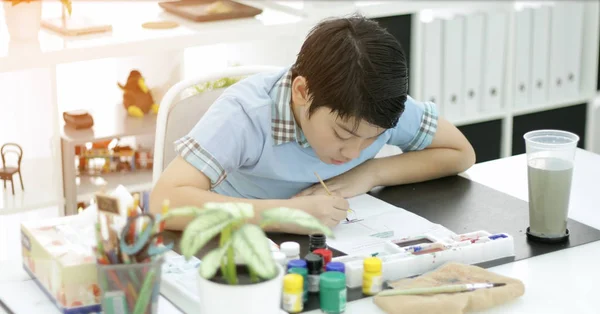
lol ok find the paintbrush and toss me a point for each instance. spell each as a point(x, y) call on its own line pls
point(327, 189)
point(441, 289)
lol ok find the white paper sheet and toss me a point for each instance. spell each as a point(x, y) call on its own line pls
point(375, 221)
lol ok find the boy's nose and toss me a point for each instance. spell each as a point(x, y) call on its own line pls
point(352, 152)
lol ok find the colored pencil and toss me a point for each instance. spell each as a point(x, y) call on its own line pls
point(145, 293)
point(136, 203)
point(138, 288)
point(131, 235)
point(165, 210)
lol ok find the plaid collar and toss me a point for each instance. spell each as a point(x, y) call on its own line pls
point(283, 125)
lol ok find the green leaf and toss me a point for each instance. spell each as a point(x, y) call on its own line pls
point(211, 261)
point(251, 244)
point(220, 83)
point(237, 210)
point(295, 216)
point(202, 229)
point(183, 211)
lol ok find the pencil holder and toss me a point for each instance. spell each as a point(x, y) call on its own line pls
point(130, 288)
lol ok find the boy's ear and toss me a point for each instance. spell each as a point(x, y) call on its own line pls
point(300, 91)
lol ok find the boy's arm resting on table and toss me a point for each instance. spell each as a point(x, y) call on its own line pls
point(448, 154)
point(431, 148)
point(184, 185)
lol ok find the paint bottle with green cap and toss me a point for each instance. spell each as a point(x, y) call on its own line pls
point(332, 292)
point(304, 272)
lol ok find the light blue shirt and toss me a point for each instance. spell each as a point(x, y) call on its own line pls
point(249, 145)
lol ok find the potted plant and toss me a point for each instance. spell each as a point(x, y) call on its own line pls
point(24, 17)
point(255, 284)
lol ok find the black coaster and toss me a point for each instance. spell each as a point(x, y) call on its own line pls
point(547, 240)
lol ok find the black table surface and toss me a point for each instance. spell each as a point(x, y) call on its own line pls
point(462, 206)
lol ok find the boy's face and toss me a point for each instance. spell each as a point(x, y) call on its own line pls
point(334, 140)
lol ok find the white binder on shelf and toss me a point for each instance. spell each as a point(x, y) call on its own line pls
point(558, 35)
point(523, 47)
point(452, 85)
point(573, 42)
point(494, 62)
point(432, 63)
point(473, 63)
point(540, 51)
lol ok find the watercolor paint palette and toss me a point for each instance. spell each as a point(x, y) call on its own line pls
point(417, 255)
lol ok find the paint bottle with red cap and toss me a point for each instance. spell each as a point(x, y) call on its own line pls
point(326, 254)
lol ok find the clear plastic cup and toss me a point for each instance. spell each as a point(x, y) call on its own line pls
point(550, 161)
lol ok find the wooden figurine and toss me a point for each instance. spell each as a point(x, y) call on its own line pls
point(143, 159)
point(137, 98)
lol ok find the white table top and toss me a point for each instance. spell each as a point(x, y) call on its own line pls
point(560, 282)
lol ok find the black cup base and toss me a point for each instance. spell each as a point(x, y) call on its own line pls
point(547, 240)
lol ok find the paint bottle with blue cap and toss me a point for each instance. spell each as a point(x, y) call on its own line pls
point(336, 266)
point(299, 263)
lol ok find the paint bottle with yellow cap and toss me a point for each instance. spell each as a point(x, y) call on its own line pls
point(293, 288)
point(372, 276)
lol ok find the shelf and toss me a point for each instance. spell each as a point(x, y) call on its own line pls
point(40, 188)
point(553, 105)
point(378, 9)
point(110, 123)
point(129, 38)
point(87, 185)
point(520, 111)
point(478, 119)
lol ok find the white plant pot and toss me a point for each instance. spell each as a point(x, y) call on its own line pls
point(260, 298)
point(23, 20)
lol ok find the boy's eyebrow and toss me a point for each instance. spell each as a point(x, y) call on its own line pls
point(347, 129)
point(352, 132)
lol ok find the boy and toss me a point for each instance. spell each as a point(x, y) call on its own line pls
point(344, 98)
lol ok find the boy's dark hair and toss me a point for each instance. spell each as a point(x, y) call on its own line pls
point(356, 68)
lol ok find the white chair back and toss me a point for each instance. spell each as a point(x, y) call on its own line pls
point(178, 114)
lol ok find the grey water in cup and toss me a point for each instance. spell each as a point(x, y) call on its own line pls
point(550, 163)
point(549, 193)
